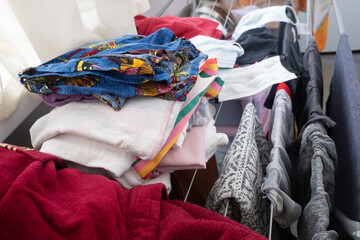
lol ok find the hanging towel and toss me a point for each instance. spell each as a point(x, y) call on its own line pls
point(241, 176)
point(277, 185)
point(343, 107)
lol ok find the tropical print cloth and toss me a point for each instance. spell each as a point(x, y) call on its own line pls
point(160, 65)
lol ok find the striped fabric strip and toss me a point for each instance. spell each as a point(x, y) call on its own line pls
point(214, 88)
point(210, 64)
point(144, 168)
point(209, 68)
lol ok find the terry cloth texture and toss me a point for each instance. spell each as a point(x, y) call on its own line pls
point(242, 174)
point(41, 199)
point(111, 70)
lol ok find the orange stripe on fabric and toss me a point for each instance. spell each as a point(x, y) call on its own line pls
point(154, 162)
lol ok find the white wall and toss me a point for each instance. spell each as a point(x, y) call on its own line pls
point(350, 11)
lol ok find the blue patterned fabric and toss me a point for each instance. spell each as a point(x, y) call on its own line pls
point(157, 65)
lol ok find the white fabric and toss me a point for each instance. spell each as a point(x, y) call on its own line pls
point(131, 182)
point(92, 134)
point(264, 113)
point(179, 142)
point(36, 31)
point(260, 17)
point(131, 179)
point(213, 140)
point(224, 51)
point(140, 6)
point(321, 9)
point(252, 79)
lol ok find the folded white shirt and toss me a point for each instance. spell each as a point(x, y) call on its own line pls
point(90, 133)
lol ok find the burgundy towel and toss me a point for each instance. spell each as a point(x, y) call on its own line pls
point(187, 27)
point(182, 220)
point(41, 199)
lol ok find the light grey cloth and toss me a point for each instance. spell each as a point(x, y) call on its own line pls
point(242, 174)
point(277, 185)
point(314, 182)
point(199, 116)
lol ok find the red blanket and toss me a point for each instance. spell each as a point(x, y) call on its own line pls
point(42, 199)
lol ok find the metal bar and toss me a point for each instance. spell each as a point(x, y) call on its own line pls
point(163, 9)
point(339, 17)
point(191, 183)
point(227, 207)
point(213, 6)
point(228, 14)
point(309, 19)
point(271, 219)
point(197, 7)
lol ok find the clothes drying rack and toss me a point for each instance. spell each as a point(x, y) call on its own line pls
point(349, 226)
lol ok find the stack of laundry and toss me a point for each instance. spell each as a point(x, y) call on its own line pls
point(145, 136)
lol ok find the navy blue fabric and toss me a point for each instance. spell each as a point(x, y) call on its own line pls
point(343, 107)
point(257, 44)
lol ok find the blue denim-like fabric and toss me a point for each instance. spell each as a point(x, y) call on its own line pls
point(342, 106)
point(169, 62)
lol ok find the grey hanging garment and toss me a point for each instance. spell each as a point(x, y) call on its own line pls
point(277, 186)
point(242, 174)
point(315, 182)
point(343, 107)
point(313, 153)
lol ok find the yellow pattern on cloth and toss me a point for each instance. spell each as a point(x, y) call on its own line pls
point(149, 88)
